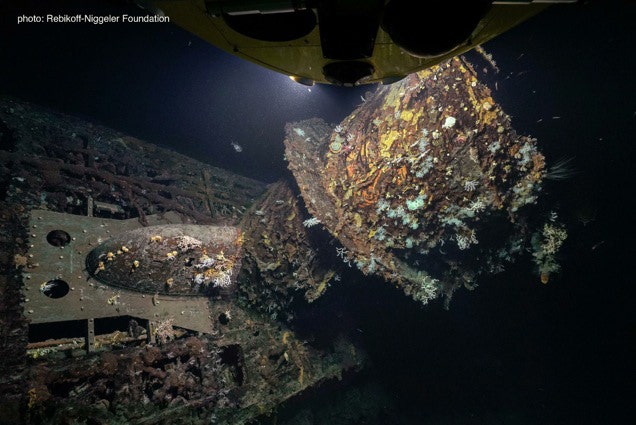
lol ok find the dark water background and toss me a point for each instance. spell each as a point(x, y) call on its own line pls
point(514, 350)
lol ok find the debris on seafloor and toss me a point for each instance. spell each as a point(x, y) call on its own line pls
point(423, 184)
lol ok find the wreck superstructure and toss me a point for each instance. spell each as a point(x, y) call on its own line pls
point(410, 181)
point(182, 282)
point(132, 254)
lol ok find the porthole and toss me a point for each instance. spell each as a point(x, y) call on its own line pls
point(56, 288)
point(58, 238)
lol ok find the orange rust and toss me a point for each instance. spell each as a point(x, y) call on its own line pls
point(545, 277)
point(369, 197)
point(512, 151)
point(401, 175)
point(351, 170)
point(369, 194)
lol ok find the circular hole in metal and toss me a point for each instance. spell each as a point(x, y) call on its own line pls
point(224, 319)
point(58, 238)
point(56, 288)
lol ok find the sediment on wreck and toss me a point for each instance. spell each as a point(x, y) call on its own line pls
point(64, 164)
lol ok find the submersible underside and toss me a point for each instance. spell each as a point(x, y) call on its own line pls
point(347, 42)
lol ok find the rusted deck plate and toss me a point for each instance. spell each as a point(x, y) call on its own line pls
point(86, 298)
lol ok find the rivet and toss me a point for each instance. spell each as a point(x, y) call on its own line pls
point(35, 226)
point(26, 300)
point(72, 288)
point(31, 246)
point(182, 313)
point(39, 218)
point(84, 231)
point(82, 308)
point(33, 235)
point(30, 255)
point(72, 239)
point(81, 298)
point(61, 257)
point(28, 276)
point(30, 311)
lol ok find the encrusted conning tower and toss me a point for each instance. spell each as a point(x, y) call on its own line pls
point(419, 174)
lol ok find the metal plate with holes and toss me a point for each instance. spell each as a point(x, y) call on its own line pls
point(58, 288)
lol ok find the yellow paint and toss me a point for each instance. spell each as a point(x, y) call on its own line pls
point(386, 143)
point(407, 115)
point(321, 288)
point(358, 220)
point(285, 337)
point(291, 216)
point(348, 194)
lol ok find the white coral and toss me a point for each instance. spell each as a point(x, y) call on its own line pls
point(553, 238)
point(310, 222)
point(185, 243)
point(470, 185)
point(464, 241)
point(477, 206)
point(449, 122)
point(224, 279)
